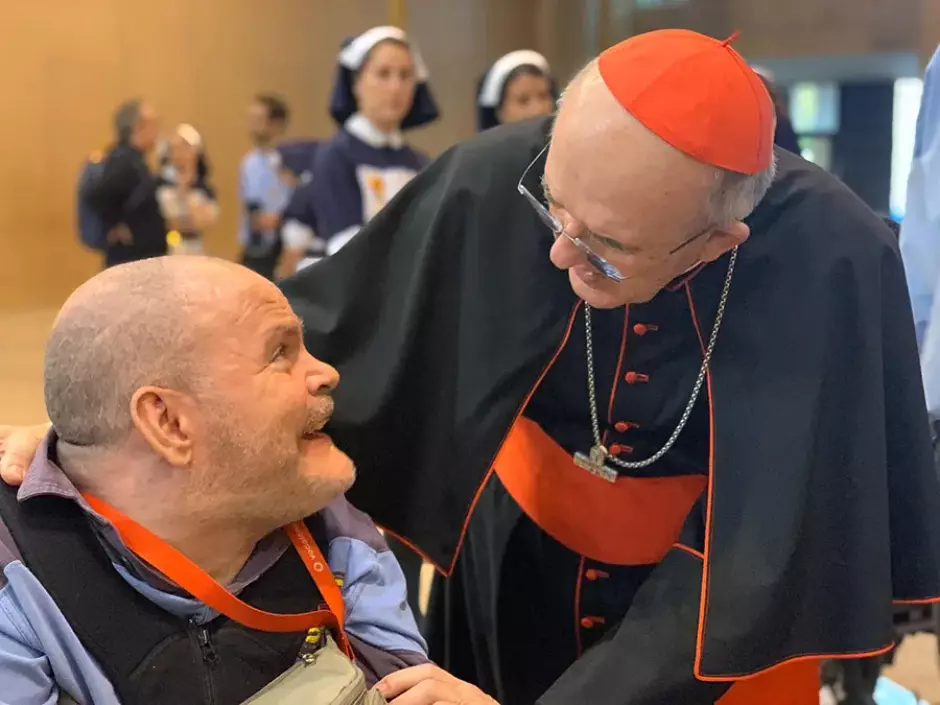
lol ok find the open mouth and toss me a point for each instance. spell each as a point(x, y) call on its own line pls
point(314, 430)
point(317, 418)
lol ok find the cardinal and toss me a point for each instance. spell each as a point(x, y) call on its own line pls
point(644, 389)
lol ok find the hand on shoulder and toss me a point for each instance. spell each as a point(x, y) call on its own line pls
point(18, 445)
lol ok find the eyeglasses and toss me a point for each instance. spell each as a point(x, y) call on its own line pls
point(558, 230)
point(595, 260)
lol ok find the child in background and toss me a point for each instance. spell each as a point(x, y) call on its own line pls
point(187, 200)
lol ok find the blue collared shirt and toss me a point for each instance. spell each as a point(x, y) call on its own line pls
point(920, 233)
point(42, 660)
point(261, 187)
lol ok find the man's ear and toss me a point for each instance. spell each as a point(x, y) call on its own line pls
point(166, 420)
point(723, 239)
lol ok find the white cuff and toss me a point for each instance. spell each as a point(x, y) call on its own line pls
point(340, 239)
point(296, 235)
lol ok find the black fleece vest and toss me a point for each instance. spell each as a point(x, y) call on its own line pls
point(150, 656)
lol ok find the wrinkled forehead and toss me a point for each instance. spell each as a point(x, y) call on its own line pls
point(237, 304)
point(257, 301)
point(574, 166)
point(619, 172)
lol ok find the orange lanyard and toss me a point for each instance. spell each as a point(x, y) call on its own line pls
point(189, 576)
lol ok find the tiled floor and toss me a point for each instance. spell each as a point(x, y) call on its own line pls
point(22, 337)
point(917, 666)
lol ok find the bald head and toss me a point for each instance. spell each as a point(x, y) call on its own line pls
point(647, 207)
point(618, 146)
point(590, 116)
point(134, 325)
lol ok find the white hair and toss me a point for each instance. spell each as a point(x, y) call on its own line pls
point(589, 68)
point(737, 195)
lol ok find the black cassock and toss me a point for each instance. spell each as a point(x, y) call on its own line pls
point(799, 501)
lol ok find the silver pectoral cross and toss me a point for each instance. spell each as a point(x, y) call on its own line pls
point(596, 463)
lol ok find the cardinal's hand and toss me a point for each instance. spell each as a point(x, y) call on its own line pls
point(430, 685)
point(18, 445)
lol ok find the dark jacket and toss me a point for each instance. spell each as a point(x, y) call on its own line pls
point(126, 193)
point(822, 503)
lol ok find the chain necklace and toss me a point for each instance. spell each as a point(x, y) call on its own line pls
point(596, 461)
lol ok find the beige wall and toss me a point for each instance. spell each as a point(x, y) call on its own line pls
point(201, 61)
point(792, 28)
point(929, 29)
point(67, 64)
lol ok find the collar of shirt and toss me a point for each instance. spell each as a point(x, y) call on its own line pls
point(45, 477)
point(274, 158)
point(360, 126)
point(267, 156)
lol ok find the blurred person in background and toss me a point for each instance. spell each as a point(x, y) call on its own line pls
point(518, 86)
point(123, 196)
point(186, 197)
point(264, 195)
point(301, 245)
point(296, 159)
point(380, 90)
point(920, 243)
point(920, 229)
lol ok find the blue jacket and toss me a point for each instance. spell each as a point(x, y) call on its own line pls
point(920, 233)
point(42, 660)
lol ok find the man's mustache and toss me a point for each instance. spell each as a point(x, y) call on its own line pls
point(318, 413)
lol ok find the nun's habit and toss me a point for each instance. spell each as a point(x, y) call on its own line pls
point(297, 157)
point(299, 220)
point(492, 87)
point(920, 233)
point(362, 168)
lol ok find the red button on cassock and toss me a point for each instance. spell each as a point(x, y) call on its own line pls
point(634, 377)
point(621, 427)
point(644, 328)
point(587, 622)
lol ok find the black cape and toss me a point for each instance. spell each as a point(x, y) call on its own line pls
point(824, 505)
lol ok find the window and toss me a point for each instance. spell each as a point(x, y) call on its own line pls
point(907, 95)
point(814, 113)
point(651, 4)
point(814, 108)
point(623, 8)
point(817, 149)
